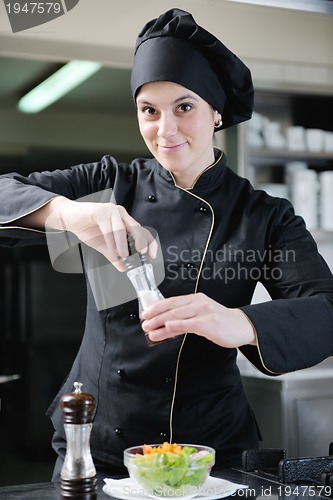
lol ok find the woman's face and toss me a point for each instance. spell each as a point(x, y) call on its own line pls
point(177, 126)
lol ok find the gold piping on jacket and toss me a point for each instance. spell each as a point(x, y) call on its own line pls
point(258, 348)
point(195, 291)
point(263, 364)
point(24, 229)
point(24, 215)
point(198, 176)
point(32, 230)
point(277, 374)
point(207, 168)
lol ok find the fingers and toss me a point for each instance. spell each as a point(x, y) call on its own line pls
point(172, 329)
point(172, 305)
point(108, 233)
point(99, 243)
point(112, 231)
point(116, 234)
point(144, 240)
point(104, 227)
point(170, 317)
point(202, 316)
point(195, 313)
point(122, 225)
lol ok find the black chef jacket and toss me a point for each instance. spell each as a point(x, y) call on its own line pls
point(220, 237)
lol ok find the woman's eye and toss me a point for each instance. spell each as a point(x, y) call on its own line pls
point(149, 111)
point(185, 107)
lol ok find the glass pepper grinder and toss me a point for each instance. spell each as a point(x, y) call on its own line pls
point(78, 473)
point(141, 274)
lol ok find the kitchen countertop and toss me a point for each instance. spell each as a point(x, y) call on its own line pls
point(258, 487)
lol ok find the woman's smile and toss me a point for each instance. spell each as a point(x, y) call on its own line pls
point(171, 148)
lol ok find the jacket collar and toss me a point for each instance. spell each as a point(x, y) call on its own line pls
point(210, 175)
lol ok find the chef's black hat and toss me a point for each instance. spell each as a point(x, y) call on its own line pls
point(174, 48)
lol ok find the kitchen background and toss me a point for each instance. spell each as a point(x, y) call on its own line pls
point(286, 149)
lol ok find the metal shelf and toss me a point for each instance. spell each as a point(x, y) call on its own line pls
point(283, 155)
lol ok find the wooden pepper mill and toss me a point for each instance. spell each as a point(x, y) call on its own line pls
point(78, 473)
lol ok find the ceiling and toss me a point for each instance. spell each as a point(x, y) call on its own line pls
point(108, 91)
point(104, 98)
point(322, 6)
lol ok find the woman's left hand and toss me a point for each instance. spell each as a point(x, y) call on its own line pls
point(197, 313)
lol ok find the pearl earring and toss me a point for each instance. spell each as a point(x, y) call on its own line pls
point(219, 123)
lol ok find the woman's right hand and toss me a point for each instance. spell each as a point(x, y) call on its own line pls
point(102, 226)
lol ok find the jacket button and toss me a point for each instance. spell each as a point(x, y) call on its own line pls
point(151, 198)
point(133, 316)
point(203, 209)
point(163, 435)
point(189, 265)
point(168, 380)
point(118, 431)
point(121, 373)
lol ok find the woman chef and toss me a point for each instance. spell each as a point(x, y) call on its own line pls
point(218, 237)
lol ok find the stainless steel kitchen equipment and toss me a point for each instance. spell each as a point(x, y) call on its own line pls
point(302, 473)
point(295, 410)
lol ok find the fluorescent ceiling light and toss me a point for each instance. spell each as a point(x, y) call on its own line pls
point(320, 6)
point(57, 85)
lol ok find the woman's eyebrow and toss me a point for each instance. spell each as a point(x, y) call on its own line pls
point(182, 98)
point(186, 96)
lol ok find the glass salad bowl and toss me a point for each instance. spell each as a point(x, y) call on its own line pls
point(170, 470)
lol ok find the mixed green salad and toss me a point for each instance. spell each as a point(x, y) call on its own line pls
point(168, 468)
